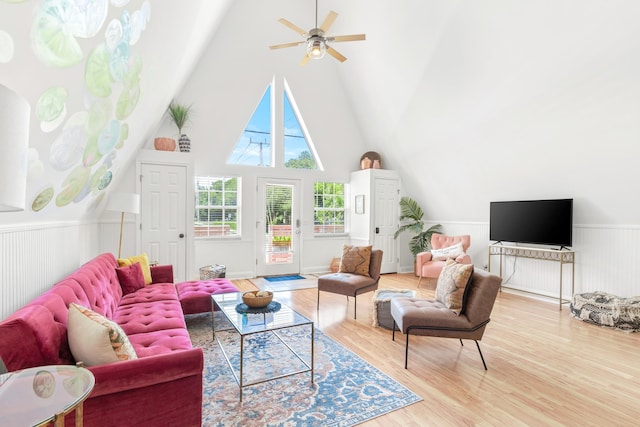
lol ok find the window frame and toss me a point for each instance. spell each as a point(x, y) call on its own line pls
point(333, 209)
point(224, 207)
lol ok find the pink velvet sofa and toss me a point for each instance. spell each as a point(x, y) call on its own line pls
point(162, 387)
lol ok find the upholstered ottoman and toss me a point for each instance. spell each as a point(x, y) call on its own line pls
point(195, 296)
point(382, 305)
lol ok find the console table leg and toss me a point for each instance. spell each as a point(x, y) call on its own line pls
point(560, 297)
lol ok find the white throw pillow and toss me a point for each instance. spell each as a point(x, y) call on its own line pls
point(96, 340)
point(449, 252)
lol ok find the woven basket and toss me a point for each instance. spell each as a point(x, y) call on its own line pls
point(256, 302)
point(212, 272)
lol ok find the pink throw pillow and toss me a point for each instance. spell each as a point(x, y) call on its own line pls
point(131, 278)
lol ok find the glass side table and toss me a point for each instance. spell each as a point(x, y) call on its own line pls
point(44, 394)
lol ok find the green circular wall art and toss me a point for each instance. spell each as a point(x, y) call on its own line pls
point(87, 116)
point(42, 199)
point(51, 108)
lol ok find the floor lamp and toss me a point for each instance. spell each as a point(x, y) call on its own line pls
point(14, 140)
point(123, 203)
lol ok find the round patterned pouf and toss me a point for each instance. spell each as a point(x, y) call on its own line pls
point(601, 308)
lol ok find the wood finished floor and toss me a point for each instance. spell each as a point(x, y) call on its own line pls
point(545, 367)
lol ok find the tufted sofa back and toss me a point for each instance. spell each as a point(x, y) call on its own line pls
point(41, 328)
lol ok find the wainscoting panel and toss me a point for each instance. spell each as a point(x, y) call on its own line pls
point(607, 259)
point(34, 257)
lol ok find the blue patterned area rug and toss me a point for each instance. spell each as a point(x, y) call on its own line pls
point(347, 390)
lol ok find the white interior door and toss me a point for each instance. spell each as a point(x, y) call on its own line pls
point(278, 227)
point(385, 222)
point(163, 215)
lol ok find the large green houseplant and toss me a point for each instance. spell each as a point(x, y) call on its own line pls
point(412, 212)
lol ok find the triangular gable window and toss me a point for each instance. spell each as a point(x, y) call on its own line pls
point(254, 146)
point(297, 152)
point(258, 142)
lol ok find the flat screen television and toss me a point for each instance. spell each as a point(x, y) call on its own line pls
point(544, 222)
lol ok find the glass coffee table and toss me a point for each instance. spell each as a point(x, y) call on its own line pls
point(44, 394)
point(274, 325)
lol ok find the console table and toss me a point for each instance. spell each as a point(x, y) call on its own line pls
point(562, 256)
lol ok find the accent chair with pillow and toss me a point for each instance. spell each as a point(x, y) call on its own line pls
point(430, 263)
point(359, 272)
point(462, 308)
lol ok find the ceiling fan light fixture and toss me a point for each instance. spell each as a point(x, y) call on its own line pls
point(316, 48)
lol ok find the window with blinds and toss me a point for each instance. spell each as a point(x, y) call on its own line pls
point(217, 210)
point(328, 212)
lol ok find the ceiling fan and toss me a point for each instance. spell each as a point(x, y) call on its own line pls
point(316, 40)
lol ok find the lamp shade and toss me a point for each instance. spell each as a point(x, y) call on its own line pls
point(124, 202)
point(14, 143)
point(316, 48)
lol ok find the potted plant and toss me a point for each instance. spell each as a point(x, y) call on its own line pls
point(411, 211)
point(281, 241)
point(180, 115)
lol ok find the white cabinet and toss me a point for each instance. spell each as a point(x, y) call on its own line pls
point(374, 218)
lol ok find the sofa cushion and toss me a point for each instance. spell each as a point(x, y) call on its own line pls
point(442, 254)
point(94, 339)
point(452, 281)
point(355, 260)
point(150, 317)
point(160, 342)
point(144, 264)
point(131, 278)
point(19, 348)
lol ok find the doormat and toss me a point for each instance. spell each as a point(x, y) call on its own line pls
point(283, 278)
point(308, 281)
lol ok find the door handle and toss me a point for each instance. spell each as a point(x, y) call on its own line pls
point(181, 235)
point(377, 230)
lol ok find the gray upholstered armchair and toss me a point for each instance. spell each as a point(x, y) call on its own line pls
point(432, 318)
point(350, 284)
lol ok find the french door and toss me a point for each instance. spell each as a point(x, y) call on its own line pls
point(278, 227)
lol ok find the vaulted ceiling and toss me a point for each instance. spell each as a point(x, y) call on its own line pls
point(522, 89)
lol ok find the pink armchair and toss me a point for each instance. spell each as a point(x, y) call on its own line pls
point(427, 266)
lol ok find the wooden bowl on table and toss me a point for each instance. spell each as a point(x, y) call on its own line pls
point(257, 299)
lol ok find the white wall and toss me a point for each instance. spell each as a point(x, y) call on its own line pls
point(224, 89)
point(515, 100)
point(470, 101)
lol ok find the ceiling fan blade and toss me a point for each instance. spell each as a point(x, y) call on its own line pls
point(305, 60)
point(293, 26)
point(331, 51)
point(349, 38)
point(280, 46)
point(328, 21)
